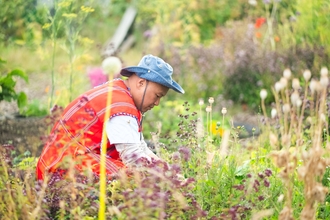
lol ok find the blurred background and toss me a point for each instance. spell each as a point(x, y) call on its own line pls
point(225, 49)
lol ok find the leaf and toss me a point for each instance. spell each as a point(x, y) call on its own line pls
point(21, 100)
point(244, 169)
point(20, 73)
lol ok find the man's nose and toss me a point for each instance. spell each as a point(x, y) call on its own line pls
point(157, 102)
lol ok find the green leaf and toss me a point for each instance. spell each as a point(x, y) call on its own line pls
point(21, 100)
point(17, 72)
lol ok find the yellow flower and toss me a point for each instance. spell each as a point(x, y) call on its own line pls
point(46, 26)
point(87, 9)
point(70, 15)
point(64, 4)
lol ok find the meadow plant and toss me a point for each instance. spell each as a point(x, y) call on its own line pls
point(298, 135)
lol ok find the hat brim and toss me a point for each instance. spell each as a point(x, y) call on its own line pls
point(155, 77)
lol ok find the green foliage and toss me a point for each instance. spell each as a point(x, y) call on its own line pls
point(34, 108)
point(7, 88)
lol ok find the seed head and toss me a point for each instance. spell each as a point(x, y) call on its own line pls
point(324, 81)
point(284, 82)
point(286, 108)
point(224, 111)
point(208, 109)
point(111, 65)
point(295, 84)
point(211, 100)
point(307, 75)
point(263, 94)
point(313, 85)
point(287, 73)
point(201, 102)
point(278, 86)
point(273, 113)
point(324, 71)
point(294, 97)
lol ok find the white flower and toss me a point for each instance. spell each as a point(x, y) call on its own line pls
point(313, 85)
point(208, 109)
point(278, 86)
point(295, 84)
point(294, 97)
point(324, 71)
point(111, 65)
point(299, 102)
point(284, 81)
point(201, 102)
point(224, 111)
point(307, 75)
point(253, 2)
point(287, 73)
point(211, 100)
point(273, 113)
point(286, 108)
point(263, 94)
point(324, 81)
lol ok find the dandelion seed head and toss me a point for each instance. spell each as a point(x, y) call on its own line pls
point(295, 84)
point(307, 75)
point(224, 111)
point(263, 94)
point(287, 73)
point(273, 113)
point(324, 71)
point(111, 65)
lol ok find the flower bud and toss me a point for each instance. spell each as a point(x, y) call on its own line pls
point(287, 73)
point(324, 81)
point(208, 109)
point(201, 102)
point(111, 65)
point(224, 111)
point(324, 71)
point(298, 102)
point(294, 97)
point(278, 86)
point(263, 94)
point(286, 108)
point(295, 84)
point(307, 75)
point(284, 82)
point(211, 100)
point(313, 85)
point(273, 113)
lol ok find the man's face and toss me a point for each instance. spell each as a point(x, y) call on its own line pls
point(154, 92)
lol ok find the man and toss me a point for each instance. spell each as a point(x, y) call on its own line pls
point(78, 133)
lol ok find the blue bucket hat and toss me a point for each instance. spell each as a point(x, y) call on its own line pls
point(154, 69)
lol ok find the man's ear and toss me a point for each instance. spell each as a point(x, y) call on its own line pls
point(141, 83)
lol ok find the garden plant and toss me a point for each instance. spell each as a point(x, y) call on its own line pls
point(267, 59)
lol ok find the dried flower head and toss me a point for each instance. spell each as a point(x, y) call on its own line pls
point(286, 108)
point(307, 75)
point(111, 65)
point(294, 97)
point(287, 73)
point(201, 102)
point(324, 81)
point(273, 113)
point(284, 82)
point(211, 100)
point(224, 111)
point(313, 85)
point(208, 109)
point(324, 71)
point(295, 84)
point(263, 94)
point(278, 86)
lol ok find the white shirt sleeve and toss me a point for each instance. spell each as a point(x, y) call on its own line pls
point(122, 131)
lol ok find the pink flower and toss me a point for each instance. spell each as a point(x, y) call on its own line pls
point(97, 77)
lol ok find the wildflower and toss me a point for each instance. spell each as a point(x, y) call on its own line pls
point(69, 15)
point(307, 75)
point(273, 113)
point(253, 2)
point(286, 108)
point(298, 102)
point(263, 94)
point(260, 198)
point(268, 172)
point(287, 73)
point(294, 97)
point(324, 71)
point(185, 152)
point(111, 65)
point(278, 86)
point(313, 85)
point(324, 81)
point(295, 84)
point(284, 81)
point(266, 183)
point(211, 100)
point(277, 38)
point(258, 35)
point(261, 175)
point(86, 9)
point(208, 109)
point(280, 198)
point(201, 102)
point(259, 22)
point(224, 111)
point(46, 26)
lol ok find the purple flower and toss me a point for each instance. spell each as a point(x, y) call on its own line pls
point(186, 153)
point(268, 172)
